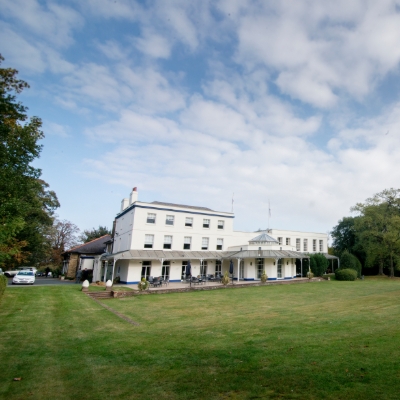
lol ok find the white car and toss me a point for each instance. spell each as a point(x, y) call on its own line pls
point(24, 277)
point(12, 273)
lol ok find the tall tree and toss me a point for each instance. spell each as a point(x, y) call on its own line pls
point(26, 204)
point(62, 236)
point(344, 236)
point(94, 233)
point(379, 227)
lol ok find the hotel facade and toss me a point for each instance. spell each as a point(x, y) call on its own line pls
point(158, 239)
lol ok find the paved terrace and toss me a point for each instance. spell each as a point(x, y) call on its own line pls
point(210, 285)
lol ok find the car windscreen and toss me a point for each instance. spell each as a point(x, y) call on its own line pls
point(25, 273)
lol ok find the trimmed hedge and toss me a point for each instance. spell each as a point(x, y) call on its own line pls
point(318, 264)
point(350, 261)
point(347, 274)
point(3, 284)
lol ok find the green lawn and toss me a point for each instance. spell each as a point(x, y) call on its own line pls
point(327, 340)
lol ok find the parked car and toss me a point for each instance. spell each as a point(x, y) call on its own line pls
point(12, 273)
point(24, 276)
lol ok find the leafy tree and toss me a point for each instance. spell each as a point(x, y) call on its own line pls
point(350, 261)
point(378, 227)
point(94, 233)
point(26, 204)
point(344, 236)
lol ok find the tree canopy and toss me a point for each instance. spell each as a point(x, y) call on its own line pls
point(94, 233)
point(26, 203)
point(373, 235)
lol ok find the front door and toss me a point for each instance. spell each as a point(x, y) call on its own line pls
point(165, 269)
point(146, 269)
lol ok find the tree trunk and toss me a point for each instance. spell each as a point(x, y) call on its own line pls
point(380, 267)
point(391, 266)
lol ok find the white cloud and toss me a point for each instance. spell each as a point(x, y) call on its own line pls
point(154, 45)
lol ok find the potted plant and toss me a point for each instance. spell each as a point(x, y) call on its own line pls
point(225, 278)
point(264, 277)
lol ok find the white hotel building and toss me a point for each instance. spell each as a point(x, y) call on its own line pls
point(158, 239)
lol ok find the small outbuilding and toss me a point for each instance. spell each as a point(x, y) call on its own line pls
point(83, 256)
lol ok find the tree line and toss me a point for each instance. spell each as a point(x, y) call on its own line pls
point(30, 231)
point(373, 233)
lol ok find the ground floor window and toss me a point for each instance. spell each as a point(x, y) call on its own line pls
point(146, 269)
point(165, 269)
point(203, 267)
point(241, 269)
point(259, 267)
point(279, 268)
point(218, 267)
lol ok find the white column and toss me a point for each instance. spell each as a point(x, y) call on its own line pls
point(238, 275)
point(105, 271)
point(112, 272)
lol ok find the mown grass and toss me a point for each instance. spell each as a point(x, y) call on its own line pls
point(327, 340)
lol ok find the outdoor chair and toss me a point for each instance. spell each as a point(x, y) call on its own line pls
point(195, 280)
point(150, 279)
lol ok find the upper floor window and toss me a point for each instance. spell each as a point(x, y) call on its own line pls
point(220, 244)
point(287, 241)
point(167, 242)
point(314, 245)
point(187, 241)
point(151, 218)
point(321, 246)
point(305, 245)
point(189, 221)
point(148, 241)
point(169, 220)
point(280, 240)
point(204, 243)
point(220, 224)
point(206, 223)
point(298, 246)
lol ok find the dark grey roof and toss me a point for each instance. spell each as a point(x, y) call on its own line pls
point(160, 203)
point(330, 256)
point(96, 246)
point(263, 238)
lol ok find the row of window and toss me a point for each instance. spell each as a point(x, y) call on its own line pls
point(305, 244)
point(146, 269)
point(187, 242)
point(170, 220)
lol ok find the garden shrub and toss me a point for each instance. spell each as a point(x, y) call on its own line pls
point(347, 274)
point(143, 284)
point(3, 284)
point(225, 278)
point(348, 260)
point(318, 263)
point(264, 277)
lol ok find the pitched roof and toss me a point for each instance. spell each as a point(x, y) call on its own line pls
point(263, 238)
point(95, 246)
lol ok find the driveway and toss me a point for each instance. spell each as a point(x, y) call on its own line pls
point(43, 281)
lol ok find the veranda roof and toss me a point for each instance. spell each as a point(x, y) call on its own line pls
point(201, 255)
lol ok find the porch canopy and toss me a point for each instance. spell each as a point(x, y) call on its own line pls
point(265, 254)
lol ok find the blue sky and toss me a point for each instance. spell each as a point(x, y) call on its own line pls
point(192, 101)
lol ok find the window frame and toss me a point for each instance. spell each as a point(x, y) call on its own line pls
point(173, 220)
point(221, 244)
point(187, 244)
point(305, 244)
point(288, 241)
point(205, 225)
point(167, 243)
point(280, 241)
point(151, 221)
point(314, 245)
point(321, 245)
point(221, 224)
point(187, 224)
point(148, 245)
point(205, 240)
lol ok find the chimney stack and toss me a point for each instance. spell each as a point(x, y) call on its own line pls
point(124, 204)
point(134, 195)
